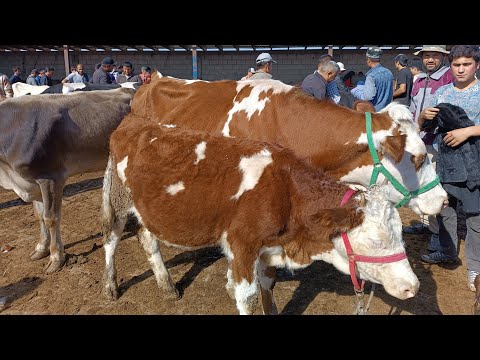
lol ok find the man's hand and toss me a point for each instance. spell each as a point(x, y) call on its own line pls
point(455, 137)
point(427, 114)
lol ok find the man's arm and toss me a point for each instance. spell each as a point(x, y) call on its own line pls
point(402, 88)
point(7, 87)
point(369, 90)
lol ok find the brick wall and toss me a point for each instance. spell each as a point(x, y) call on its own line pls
point(291, 67)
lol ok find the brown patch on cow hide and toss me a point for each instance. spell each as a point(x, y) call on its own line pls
point(394, 146)
point(315, 238)
point(418, 161)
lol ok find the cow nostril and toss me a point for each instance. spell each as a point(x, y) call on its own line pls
point(409, 293)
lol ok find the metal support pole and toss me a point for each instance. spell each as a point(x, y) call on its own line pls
point(194, 61)
point(66, 60)
point(330, 50)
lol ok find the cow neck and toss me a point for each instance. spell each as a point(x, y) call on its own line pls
point(353, 258)
point(379, 168)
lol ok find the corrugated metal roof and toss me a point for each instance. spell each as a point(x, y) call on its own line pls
point(155, 47)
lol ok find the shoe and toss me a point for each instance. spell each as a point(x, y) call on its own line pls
point(471, 275)
point(439, 257)
point(416, 229)
point(434, 244)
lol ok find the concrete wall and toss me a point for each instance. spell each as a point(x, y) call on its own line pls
point(291, 67)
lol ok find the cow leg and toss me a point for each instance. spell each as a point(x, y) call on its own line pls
point(52, 192)
point(266, 278)
point(112, 236)
point(152, 248)
point(42, 248)
point(245, 283)
point(230, 283)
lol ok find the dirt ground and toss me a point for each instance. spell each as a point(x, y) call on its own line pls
point(199, 275)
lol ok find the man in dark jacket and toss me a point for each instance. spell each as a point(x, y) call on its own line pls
point(102, 74)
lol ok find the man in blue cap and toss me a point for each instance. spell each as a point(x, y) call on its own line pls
point(378, 87)
point(264, 67)
point(102, 74)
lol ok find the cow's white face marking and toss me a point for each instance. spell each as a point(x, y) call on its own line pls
point(200, 151)
point(252, 103)
point(121, 166)
point(152, 140)
point(168, 125)
point(175, 188)
point(428, 203)
point(252, 169)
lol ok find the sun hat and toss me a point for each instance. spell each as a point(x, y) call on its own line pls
point(435, 48)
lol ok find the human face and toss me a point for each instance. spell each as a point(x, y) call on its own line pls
point(432, 60)
point(127, 70)
point(107, 68)
point(80, 70)
point(463, 70)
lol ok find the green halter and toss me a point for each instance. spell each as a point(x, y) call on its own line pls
point(379, 168)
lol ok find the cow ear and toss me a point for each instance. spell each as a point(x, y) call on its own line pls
point(394, 146)
point(337, 219)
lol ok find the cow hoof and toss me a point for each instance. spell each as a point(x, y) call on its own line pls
point(37, 255)
point(476, 307)
point(172, 294)
point(53, 266)
point(111, 293)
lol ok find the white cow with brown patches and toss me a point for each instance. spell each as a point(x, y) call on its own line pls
point(257, 201)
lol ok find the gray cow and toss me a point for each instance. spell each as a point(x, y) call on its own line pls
point(46, 139)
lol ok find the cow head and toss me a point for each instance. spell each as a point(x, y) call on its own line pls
point(405, 158)
point(379, 235)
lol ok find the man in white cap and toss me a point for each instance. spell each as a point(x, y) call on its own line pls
point(339, 80)
point(434, 58)
point(250, 72)
point(264, 67)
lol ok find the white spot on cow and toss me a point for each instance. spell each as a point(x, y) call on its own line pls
point(252, 169)
point(133, 210)
point(175, 188)
point(159, 74)
point(227, 250)
point(252, 103)
point(128, 85)
point(200, 151)
point(246, 292)
point(171, 126)
point(188, 82)
point(121, 166)
point(152, 140)
point(109, 248)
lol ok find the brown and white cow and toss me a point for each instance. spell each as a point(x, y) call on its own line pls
point(46, 139)
point(329, 136)
point(257, 201)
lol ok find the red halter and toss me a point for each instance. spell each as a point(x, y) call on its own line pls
point(352, 257)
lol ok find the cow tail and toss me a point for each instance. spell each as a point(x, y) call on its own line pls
point(108, 215)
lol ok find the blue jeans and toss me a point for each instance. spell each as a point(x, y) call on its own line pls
point(447, 221)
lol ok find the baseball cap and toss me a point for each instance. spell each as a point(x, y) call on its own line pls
point(374, 52)
point(34, 71)
point(435, 48)
point(264, 58)
point(402, 59)
point(252, 70)
point(107, 61)
point(342, 67)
